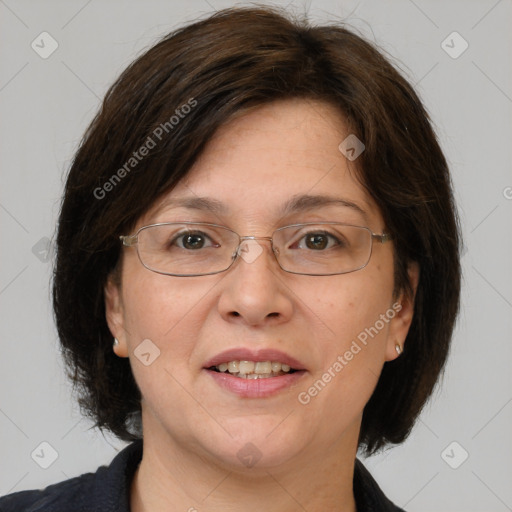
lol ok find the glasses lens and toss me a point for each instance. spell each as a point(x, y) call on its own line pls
point(186, 249)
point(322, 249)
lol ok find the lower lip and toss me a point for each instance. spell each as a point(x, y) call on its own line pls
point(255, 388)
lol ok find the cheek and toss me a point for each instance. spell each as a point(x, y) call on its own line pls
point(357, 311)
point(162, 309)
point(169, 313)
point(351, 362)
point(352, 303)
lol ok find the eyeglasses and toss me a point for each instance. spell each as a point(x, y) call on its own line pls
point(189, 249)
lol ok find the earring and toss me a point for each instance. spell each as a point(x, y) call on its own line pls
point(116, 342)
point(398, 348)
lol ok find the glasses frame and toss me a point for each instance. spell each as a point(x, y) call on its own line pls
point(132, 240)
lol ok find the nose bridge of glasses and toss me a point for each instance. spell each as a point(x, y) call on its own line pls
point(242, 238)
point(249, 249)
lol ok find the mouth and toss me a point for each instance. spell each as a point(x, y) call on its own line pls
point(254, 374)
point(253, 369)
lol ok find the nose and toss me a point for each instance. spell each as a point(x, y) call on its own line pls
point(254, 291)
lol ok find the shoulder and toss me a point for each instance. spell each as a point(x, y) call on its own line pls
point(55, 497)
point(107, 489)
point(369, 496)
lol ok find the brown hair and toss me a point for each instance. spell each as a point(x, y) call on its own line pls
point(234, 60)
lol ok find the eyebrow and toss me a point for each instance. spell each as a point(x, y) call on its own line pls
point(296, 204)
point(305, 202)
point(195, 203)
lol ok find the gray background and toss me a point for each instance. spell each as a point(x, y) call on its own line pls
point(46, 104)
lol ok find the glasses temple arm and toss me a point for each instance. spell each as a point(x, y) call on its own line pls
point(129, 240)
point(383, 238)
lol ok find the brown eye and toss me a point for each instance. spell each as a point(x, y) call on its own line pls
point(319, 241)
point(316, 241)
point(193, 241)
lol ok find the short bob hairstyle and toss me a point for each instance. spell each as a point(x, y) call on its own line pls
point(153, 124)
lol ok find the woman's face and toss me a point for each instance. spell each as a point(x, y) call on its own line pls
point(338, 330)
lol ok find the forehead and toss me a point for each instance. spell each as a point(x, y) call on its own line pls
point(279, 159)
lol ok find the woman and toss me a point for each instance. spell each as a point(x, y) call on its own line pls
point(257, 271)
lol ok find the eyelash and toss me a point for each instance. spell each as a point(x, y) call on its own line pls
point(180, 236)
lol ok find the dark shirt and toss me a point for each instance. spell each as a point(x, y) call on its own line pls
point(108, 490)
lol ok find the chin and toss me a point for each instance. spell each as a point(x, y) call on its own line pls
point(259, 443)
point(252, 459)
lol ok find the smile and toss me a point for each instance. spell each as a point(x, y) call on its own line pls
point(253, 369)
point(250, 373)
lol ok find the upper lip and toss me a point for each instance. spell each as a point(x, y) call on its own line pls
point(245, 354)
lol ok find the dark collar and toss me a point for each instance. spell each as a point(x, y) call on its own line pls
point(368, 495)
point(108, 490)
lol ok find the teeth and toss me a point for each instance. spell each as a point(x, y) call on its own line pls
point(254, 370)
point(246, 367)
point(257, 375)
point(276, 366)
point(263, 367)
point(232, 367)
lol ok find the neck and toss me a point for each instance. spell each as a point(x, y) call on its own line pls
point(172, 477)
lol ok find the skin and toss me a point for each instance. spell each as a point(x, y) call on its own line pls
point(192, 428)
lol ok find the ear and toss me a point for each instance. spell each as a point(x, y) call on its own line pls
point(404, 311)
point(114, 313)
